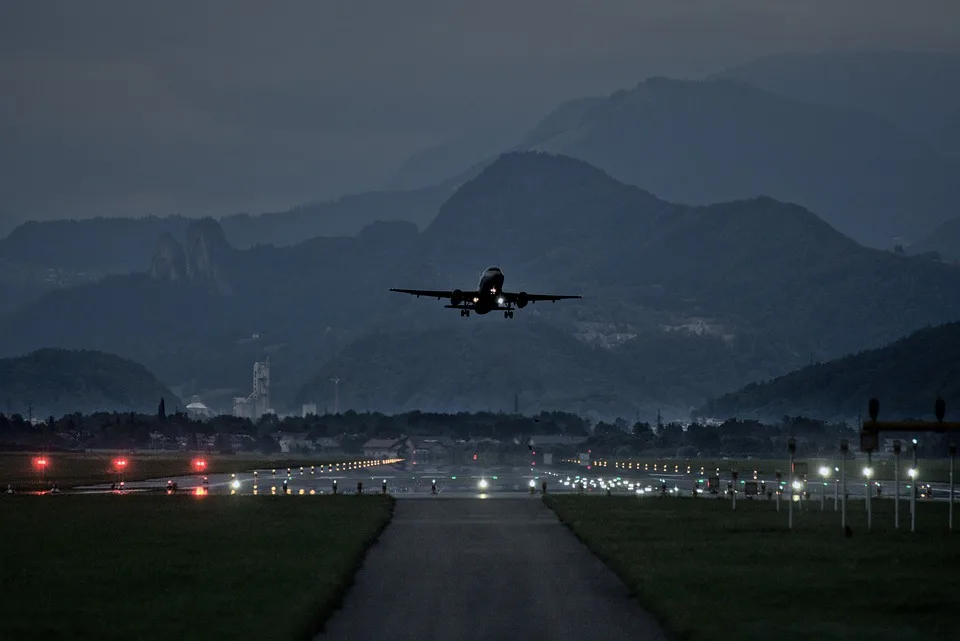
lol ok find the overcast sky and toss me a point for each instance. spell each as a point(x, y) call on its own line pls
point(196, 107)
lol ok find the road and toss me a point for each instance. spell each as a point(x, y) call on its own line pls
point(465, 569)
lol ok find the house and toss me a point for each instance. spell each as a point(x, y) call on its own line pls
point(431, 448)
point(329, 446)
point(293, 441)
point(380, 448)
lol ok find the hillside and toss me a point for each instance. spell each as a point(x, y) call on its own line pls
point(57, 382)
point(688, 302)
point(720, 140)
point(465, 367)
point(206, 310)
point(95, 247)
point(911, 89)
point(905, 376)
point(944, 240)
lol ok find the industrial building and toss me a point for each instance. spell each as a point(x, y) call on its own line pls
point(258, 403)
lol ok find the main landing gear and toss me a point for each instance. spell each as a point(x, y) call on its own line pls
point(464, 312)
point(508, 313)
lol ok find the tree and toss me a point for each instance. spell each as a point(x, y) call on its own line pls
point(162, 411)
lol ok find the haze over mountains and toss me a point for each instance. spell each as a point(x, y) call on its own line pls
point(909, 89)
point(680, 302)
point(759, 271)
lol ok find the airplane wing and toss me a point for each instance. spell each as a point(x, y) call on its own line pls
point(515, 298)
point(432, 293)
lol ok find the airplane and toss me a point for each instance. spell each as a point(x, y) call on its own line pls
point(488, 296)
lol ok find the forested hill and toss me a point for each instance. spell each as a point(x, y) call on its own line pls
point(906, 376)
point(59, 381)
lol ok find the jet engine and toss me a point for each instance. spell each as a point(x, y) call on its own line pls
point(522, 300)
point(457, 297)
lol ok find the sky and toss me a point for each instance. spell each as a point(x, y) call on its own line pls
point(208, 108)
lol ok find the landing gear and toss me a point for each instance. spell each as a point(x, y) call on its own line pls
point(465, 312)
point(508, 313)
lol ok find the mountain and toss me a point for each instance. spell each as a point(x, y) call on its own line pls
point(94, 247)
point(205, 310)
point(704, 142)
point(438, 163)
point(57, 382)
point(944, 241)
point(905, 376)
point(7, 223)
point(685, 302)
point(474, 367)
point(913, 90)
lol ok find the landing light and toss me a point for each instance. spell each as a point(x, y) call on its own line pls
point(500, 301)
point(235, 484)
point(483, 484)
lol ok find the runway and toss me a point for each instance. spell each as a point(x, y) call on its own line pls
point(465, 569)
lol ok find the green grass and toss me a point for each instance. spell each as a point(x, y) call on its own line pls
point(710, 573)
point(179, 567)
point(72, 469)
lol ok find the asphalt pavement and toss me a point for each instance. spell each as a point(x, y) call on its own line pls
point(464, 569)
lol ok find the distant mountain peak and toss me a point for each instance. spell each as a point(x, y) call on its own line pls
point(201, 261)
point(169, 260)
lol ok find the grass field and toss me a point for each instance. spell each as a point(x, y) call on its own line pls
point(159, 568)
point(709, 573)
point(931, 470)
point(78, 468)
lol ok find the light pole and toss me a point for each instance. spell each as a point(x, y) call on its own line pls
point(836, 491)
point(844, 447)
point(896, 485)
point(953, 454)
point(792, 447)
point(336, 394)
point(868, 473)
point(914, 474)
point(824, 473)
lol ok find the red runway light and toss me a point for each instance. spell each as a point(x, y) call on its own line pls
point(200, 464)
point(120, 463)
point(41, 462)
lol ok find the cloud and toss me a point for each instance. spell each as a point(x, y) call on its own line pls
point(206, 107)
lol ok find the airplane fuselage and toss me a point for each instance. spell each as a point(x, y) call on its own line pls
point(488, 290)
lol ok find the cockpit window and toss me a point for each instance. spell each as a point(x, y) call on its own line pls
point(493, 269)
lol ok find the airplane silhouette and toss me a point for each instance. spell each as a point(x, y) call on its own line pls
point(488, 296)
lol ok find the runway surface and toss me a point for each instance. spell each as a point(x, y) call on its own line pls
point(464, 569)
